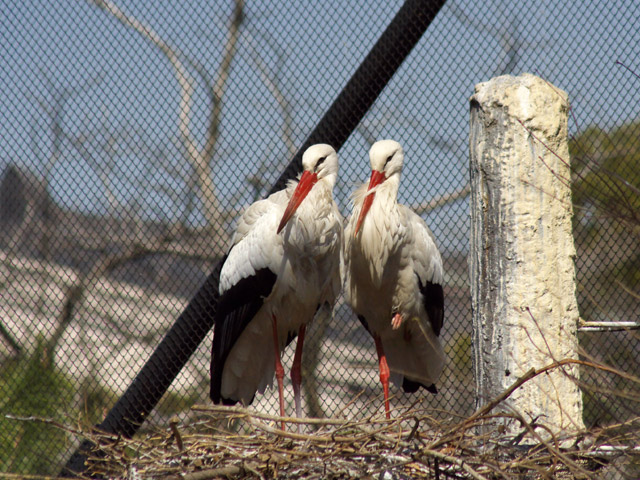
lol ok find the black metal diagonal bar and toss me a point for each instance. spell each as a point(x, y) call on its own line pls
point(368, 81)
point(196, 320)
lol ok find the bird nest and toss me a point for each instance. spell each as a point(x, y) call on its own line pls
point(230, 442)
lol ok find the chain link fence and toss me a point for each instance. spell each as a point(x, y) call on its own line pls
point(133, 134)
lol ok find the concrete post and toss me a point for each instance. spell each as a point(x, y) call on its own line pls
point(521, 261)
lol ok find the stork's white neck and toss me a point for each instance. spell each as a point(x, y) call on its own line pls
point(306, 226)
point(387, 192)
point(320, 196)
point(380, 229)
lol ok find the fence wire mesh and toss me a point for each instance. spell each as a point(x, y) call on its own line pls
point(133, 134)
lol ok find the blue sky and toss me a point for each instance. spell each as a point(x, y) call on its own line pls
point(312, 49)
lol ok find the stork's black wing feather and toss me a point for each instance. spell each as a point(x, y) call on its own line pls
point(236, 308)
point(433, 301)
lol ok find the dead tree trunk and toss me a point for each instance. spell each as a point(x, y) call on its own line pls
point(525, 312)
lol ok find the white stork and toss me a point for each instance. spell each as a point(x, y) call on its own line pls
point(393, 277)
point(283, 266)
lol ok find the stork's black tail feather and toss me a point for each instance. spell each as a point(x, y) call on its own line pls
point(411, 386)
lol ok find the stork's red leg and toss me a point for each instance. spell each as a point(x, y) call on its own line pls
point(384, 373)
point(296, 372)
point(396, 321)
point(279, 369)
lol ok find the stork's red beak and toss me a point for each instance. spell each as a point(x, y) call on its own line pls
point(306, 183)
point(376, 179)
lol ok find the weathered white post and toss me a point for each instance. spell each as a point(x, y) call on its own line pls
point(521, 261)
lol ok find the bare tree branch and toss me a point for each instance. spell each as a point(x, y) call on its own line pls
point(508, 36)
point(75, 293)
point(442, 200)
point(201, 160)
point(270, 81)
point(55, 111)
point(217, 89)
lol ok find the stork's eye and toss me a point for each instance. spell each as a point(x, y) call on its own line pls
point(320, 162)
point(388, 159)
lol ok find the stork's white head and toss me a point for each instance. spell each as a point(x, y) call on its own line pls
point(322, 160)
point(319, 163)
point(386, 157)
